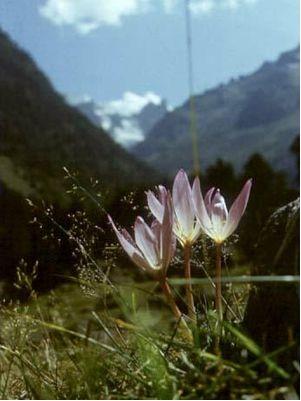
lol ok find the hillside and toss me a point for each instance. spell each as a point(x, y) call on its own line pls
point(40, 134)
point(255, 113)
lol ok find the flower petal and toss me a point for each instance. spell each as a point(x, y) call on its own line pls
point(168, 239)
point(155, 206)
point(147, 242)
point(182, 200)
point(196, 231)
point(162, 191)
point(199, 205)
point(218, 207)
point(237, 209)
point(129, 246)
point(156, 229)
point(208, 199)
point(128, 237)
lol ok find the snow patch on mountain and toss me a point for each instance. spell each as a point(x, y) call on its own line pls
point(129, 119)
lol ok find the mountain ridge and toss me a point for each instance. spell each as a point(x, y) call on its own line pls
point(254, 113)
point(40, 134)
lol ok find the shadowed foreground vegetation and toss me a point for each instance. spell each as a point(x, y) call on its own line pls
point(110, 336)
point(107, 333)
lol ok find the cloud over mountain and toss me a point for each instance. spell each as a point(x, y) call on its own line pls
point(127, 119)
point(131, 103)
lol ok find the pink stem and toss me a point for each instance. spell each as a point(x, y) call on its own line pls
point(218, 283)
point(170, 299)
point(189, 293)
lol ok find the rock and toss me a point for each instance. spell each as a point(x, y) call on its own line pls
point(272, 312)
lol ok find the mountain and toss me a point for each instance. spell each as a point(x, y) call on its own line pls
point(40, 134)
point(128, 120)
point(255, 113)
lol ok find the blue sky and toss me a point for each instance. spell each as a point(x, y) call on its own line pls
point(104, 48)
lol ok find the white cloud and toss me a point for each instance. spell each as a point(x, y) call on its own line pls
point(106, 122)
point(131, 103)
point(119, 117)
point(127, 130)
point(199, 7)
point(202, 7)
point(168, 5)
point(128, 133)
point(87, 15)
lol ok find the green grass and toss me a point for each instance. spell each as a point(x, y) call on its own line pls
point(121, 342)
point(13, 177)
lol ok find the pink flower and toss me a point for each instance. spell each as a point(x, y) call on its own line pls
point(213, 214)
point(154, 246)
point(186, 226)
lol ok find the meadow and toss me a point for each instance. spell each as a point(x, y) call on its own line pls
point(123, 277)
point(110, 332)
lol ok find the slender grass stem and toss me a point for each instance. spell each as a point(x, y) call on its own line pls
point(189, 293)
point(218, 295)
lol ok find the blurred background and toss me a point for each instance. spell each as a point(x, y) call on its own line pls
point(123, 93)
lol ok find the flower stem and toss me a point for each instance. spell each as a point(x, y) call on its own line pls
point(175, 309)
point(218, 295)
point(189, 293)
point(218, 283)
point(170, 299)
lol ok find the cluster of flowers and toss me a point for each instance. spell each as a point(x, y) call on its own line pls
point(183, 215)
